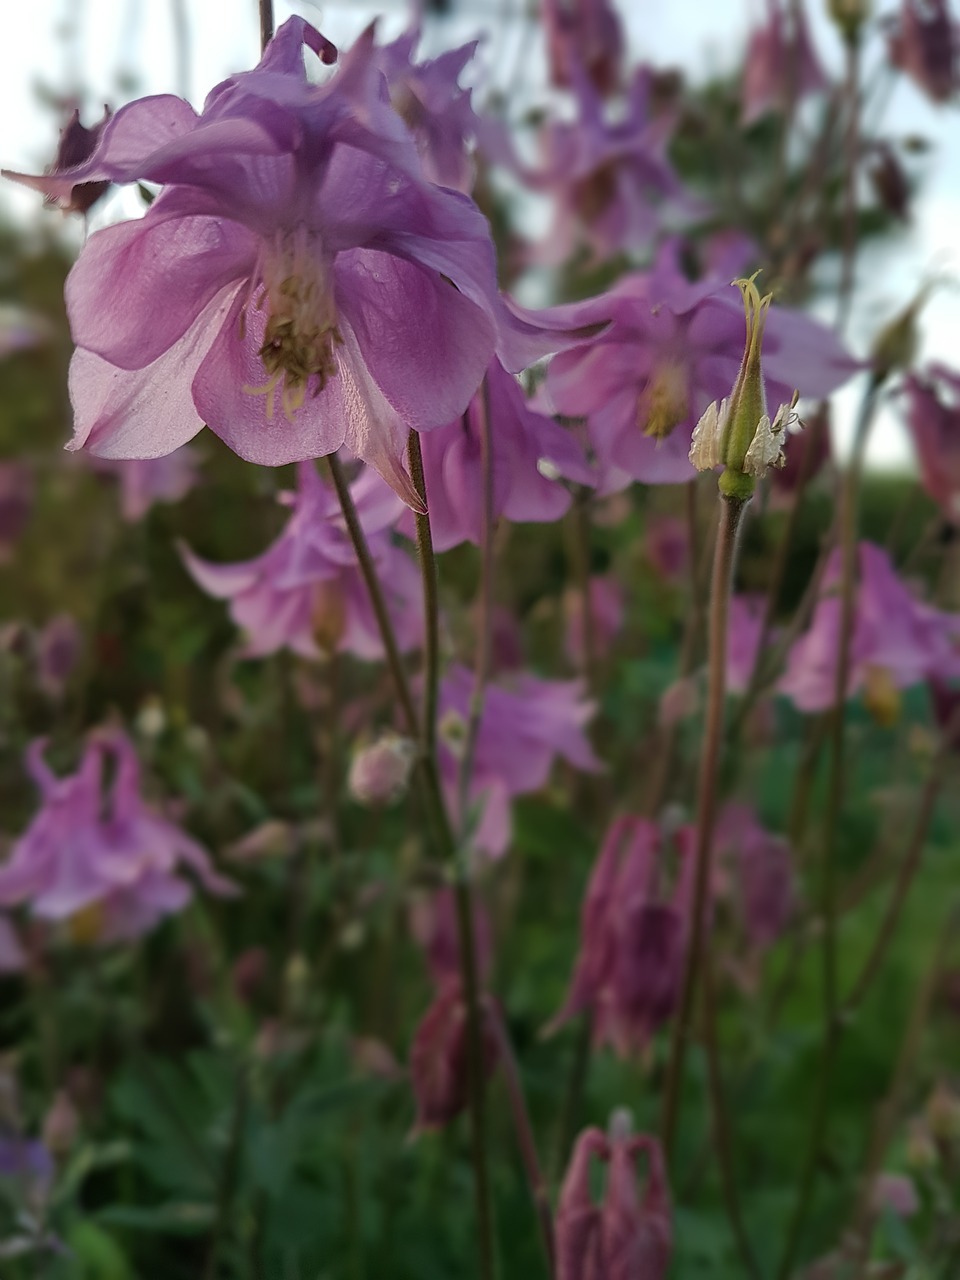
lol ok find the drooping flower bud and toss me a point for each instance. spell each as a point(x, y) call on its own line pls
point(438, 1058)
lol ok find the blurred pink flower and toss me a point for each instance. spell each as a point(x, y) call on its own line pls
point(433, 923)
point(632, 939)
point(745, 626)
point(755, 871)
point(894, 636)
point(524, 727)
point(438, 1058)
point(673, 347)
point(606, 617)
point(781, 62)
point(587, 34)
point(924, 43)
point(16, 505)
point(306, 592)
point(146, 481)
point(59, 646)
point(667, 546)
point(629, 1236)
point(933, 414)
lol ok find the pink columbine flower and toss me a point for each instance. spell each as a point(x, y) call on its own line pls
point(438, 1057)
point(525, 725)
point(306, 592)
point(632, 939)
point(895, 638)
point(924, 42)
point(629, 1236)
point(755, 872)
point(146, 481)
point(781, 62)
point(437, 111)
point(102, 858)
point(933, 414)
point(587, 34)
point(297, 285)
point(673, 347)
point(528, 454)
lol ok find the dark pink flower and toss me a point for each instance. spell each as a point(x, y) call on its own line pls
point(781, 63)
point(528, 452)
point(632, 939)
point(933, 414)
point(525, 725)
point(585, 33)
point(896, 637)
point(629, 1236)
point(924, 44)
point(102, 857)
point(306, 592)
point(673, 347)
point(146, 481)
point(756, 872)
point(438, 1058)
point(297, 285)
point(434, 925)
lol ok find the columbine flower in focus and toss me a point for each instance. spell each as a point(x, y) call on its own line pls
point(525, 725)
point(101, 859)
point(306, 592)
point(146, 481)
point(781, 65)
point(632, 939)
point(673, 347)
point(897, 640)
point(933, 414)
point(528, 452)
point(924, 43)
point(297, 284)
point(587, 34)
point(629, 1236)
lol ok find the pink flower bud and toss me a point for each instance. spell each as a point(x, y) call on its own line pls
point(379, 773)
point(438, 1058)
point(434, 925)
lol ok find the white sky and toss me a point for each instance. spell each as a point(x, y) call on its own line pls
point(89, 48)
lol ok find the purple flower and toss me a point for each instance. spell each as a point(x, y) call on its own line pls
point(297, 285)
point(613, 186)
point(306, 592)
point(756, 872)
point(632, 940)
point(437, 111)
point(933, 413)
point(146, 481)
point(606, 618)
point(59, 646)
point(584, 34)
point(630, 1235)
point(101, 858)
point(526, 450)
point(896, 638)
point(781, 63)
point(673, 347)
point(923, 43)
point(77, 143)
point(744, 629)
point(523, 728)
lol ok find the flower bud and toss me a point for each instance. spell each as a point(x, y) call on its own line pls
point(438, 1058)
point(379, 773)
point(849, 16)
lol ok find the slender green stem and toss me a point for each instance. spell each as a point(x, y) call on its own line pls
point(229, 1176)
point(731, 510)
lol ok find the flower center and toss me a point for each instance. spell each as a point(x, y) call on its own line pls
point(301, 334)
point(665, 402)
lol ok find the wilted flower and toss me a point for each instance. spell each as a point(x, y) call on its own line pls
point(629, 1236)
point(781, 65)
point(379, 772)
point(585, 34)
point(146, 481)
point(102, 859)
point(632, 939)
point(606, 617)
point(438, 1057)
point(297, 285)
point(933, 402)
point(894, 635)
point(674, 346)
point(528, 452)
point(306, 592)
point(924, 44)
point(525, 725)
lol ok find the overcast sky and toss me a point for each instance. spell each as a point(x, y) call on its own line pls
point(90, 48)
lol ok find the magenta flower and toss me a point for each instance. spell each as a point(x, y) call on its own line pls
point(428, 97)
point(101, 857)
point(896, 638)
point(632, 939)
point(933, 414)
point(781, 63)
point(673, 348)
point(755, 872)
point(924, 43)
point(524, 727)
point(527, 449)
point(297, 285)
point(144, 482)
point(306, 592)
point(630, 1235)
point(587, 34)
point(438, 1057)
point(433, 923)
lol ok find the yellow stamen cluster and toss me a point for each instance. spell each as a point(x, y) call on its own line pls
point(666, 402)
